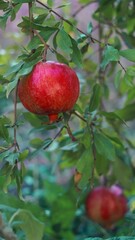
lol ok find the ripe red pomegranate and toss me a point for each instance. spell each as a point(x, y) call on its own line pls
point(50, 88)
point(106, 205)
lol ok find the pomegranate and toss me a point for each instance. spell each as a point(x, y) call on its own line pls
point(51, 88)
point(106, 205)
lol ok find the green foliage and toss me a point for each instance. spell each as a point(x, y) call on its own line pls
point(110, 54)
point(96, 139)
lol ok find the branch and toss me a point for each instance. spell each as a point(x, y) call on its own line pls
point(57, 135)
point(79, 116)
point(31, 19)
point(122, 66)
point(94, 154)
point(93, 40)
point(70, 133)
point(67, 21)
point(6, 231)
point(15, 119)
point(46, 46)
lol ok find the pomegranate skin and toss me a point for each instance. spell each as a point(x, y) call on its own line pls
point(105, 207)
point(49, 89)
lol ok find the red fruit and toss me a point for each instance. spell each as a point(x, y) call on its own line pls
point(106, 206)
point(50, 88)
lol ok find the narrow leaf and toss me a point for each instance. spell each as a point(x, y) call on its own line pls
point(95, 98)
point(104, 146)
point(110, 54)
point(63, 41)
point(128, 54)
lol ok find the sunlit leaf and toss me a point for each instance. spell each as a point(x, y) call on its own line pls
point(110, 54)
point(95, 98)
point(128, 54)
point(104, 146)
point(31, 226)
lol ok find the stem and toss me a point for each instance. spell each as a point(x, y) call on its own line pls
point(6, 231)
point(57, 135)
point(122, 66)
point(15, 119)
point(79, 116)
point(46, 46)
point(70, 133)
point(94, 154)
point(67, 21)
point(31, 19)
point(93, 40)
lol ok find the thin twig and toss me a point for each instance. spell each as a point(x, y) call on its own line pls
point(70, 133)
point(122, 66)
point(79, 116)
point(46, 46)
point(15, 119)
point(57, 135)
point(94, 154)
point(6, 149)
point(31, 19)
point(67, 21)
point(93, 40)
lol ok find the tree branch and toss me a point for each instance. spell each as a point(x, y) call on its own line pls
point(31, 19)
point(94, 154)
point(15, 119)
point(93, 40)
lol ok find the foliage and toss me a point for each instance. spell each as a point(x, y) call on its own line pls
point(96, 138)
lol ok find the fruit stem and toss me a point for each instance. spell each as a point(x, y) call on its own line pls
point(46, 46)
point(15, 119)
point(93, 152)
point(70, 133)
point(31, 19)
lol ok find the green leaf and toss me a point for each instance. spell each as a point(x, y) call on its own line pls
point(31, 226)
point(3, 19)
point(3, 129)
point(84, 166)
point(89, 28)
point(50, 3)
point(128, 54)
point(32, 119)
point(112, 238)
point(95, 98)
point(4, 5)
point(11, 86)
point(23, 155)
point(123, 173)
point(22, 1)
point(112, 116)
point(12, 157)
point(101, 164)
point(104, 146)
point(76, 55)
point(117, 79)
point(69, 147)
point(13, 69)
point(127, 113)
point(63, 41)
point(11, 203)
point(36, 142)
point(110, 54)
point(61, 58)
point(46, 33)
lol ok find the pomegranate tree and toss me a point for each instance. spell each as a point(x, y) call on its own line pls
point(51, 88)
point(106, 205)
